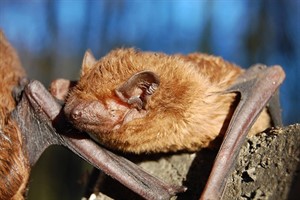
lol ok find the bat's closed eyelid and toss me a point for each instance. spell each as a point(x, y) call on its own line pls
point(115, 107)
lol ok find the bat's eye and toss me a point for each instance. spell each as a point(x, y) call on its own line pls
point(115, 110)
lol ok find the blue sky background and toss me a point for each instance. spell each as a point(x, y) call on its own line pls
point(51, 36)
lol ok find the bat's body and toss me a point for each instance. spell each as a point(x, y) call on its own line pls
point(14, 166)
point(186, 110)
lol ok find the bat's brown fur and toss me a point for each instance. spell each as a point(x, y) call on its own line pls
point(14, 167)
point(188, 110)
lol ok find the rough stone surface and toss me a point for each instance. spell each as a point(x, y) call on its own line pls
point(267, 168)
point(267, 165)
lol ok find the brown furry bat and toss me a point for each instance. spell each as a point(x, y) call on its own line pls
point(14, 166)
point(141, 102)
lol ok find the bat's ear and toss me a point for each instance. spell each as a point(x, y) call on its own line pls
point(138, 89)
point(88, 62)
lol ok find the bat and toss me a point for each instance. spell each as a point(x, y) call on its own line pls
point(35, 122)
point(121, 101)
point(14, 168)
point(145, 102)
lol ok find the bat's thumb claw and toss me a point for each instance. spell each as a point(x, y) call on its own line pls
point(175, 189)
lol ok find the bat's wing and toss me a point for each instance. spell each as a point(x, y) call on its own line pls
point(42, 124)
point(256, 87)
point(275, 109)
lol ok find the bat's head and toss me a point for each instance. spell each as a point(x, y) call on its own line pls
point(108, 97)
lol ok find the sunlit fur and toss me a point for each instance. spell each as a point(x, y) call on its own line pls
point(188, 110)
point(14, 168)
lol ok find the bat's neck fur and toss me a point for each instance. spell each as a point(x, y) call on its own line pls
point(188, 110)
point(14, 168)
